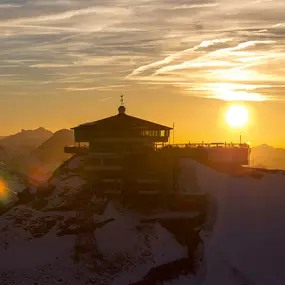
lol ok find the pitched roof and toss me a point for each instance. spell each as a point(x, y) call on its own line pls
point(124, 121)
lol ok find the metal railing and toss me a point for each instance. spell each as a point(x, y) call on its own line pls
point(158, 146)
point(202, 145)
point(76, 149)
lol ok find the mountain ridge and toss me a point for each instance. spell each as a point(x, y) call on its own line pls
point(43, 160)
point(268, 157)
point(25, 141)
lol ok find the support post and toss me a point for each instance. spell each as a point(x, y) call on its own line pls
point(173, 133)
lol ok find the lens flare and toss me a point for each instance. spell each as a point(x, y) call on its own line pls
point(3, 190)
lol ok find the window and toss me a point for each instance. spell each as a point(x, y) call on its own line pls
point(151, 133)
point(162, 133)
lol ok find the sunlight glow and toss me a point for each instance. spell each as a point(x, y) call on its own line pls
point(234, 92)
point(237, 116)
point(3, 190)
point(236, 74)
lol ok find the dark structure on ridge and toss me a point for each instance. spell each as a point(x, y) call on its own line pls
point(124, 152)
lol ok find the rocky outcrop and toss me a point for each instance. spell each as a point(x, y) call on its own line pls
point(66, 234)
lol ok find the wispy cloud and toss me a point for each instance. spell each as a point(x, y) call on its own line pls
point(219, 57)
point(9, 6)
point(49, 65)
point(196, 6)
point(99, 88)
point(63, 16)
point(84, 46)
point(105, 99)
point(175, 56)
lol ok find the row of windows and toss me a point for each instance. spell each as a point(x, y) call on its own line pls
point(145, 133)
point(162, 133)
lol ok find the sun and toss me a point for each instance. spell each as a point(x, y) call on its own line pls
point(237, 116)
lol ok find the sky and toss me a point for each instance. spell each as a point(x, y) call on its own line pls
point(65, 62)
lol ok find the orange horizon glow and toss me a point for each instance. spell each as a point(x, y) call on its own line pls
point(72, 60)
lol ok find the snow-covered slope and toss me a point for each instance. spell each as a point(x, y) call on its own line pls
point(67, 235)
point(245, 233)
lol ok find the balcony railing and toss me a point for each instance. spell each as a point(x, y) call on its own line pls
point(75, 149)
point(202, 145)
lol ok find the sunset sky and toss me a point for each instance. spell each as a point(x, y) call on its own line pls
point(64, 62)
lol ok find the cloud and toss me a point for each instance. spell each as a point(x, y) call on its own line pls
point(98, 45)
point(209, 60)
point(195, 6)
point(176, 56)
point(105, 99)
point(49, 65)
point(99, 88)
point(9, 6)
point(231, 64)
point(63, 16)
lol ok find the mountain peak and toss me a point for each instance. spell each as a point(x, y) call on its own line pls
point(26, 140)
point(41, 129)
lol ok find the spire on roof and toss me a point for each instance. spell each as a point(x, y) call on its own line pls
point(122, 108)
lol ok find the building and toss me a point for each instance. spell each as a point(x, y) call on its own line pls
point(121, 150)
point(120, 133)
point(125, 153)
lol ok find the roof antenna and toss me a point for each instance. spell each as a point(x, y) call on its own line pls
point(122, 100)
point(122, 108)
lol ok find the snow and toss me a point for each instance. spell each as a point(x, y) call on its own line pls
point(124, 225)
point(75, 162)
point(34, 260)
point(128, 248)
point(171, 215)
point(17, 255)
point(137, 250)
point(64, 187)
point(187, 182)
point(245, 242)
point(243, 237)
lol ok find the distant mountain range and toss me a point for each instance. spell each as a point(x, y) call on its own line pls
point(50, 154)
point(35, 152)
point(265, 156)
point(40, 151)
point(53, 147)
point(25, 141)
